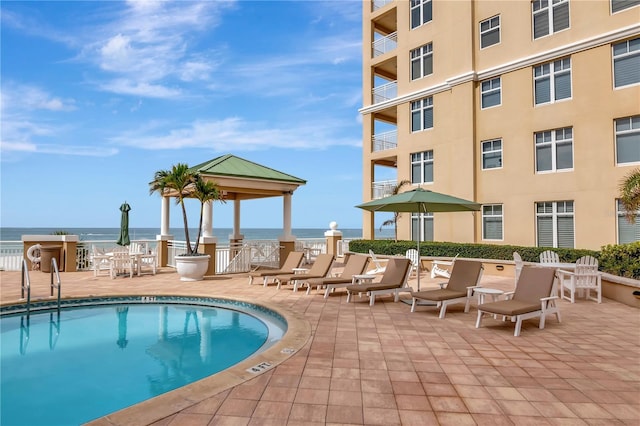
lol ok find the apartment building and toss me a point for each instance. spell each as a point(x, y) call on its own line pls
point(530, 108)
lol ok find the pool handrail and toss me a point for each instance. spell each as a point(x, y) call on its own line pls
point(25, 284)
point(54, 269)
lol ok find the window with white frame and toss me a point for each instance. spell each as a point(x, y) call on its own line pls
point(618, 5)
point(627, 232)
point(492, 154)
point(554, 224)
point(422, 167)
point(490, 93)
point(626, 63)
point(422, 224)
point(552, 81)
point(489, 32)
point(422, 114)
point(421, 12)
point(628, 140)
point(422, 61)
point(492, 222)
point(554, 150)
point(549, 16)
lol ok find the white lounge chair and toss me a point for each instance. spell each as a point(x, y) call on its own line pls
point(379, 264)
point(439, 268)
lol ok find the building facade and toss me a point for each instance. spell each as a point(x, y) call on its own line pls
point(530, 108)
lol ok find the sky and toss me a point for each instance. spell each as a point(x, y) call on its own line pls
point(96, 96)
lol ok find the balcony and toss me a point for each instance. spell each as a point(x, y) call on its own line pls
point(385, 92)
point(384, 141)
point(382, 188)
point(377, 4)
point(385, 44)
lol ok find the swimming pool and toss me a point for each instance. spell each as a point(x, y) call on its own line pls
point(104, 354)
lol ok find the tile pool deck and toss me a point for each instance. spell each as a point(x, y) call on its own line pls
point(382, 365)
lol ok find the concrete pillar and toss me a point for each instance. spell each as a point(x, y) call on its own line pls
point(163, 249)
point(164, 216)
point(208, 246)
point(333, 236)
point(207, 219)
point(286, 217)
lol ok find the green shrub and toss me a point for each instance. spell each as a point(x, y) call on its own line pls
point(622, 260)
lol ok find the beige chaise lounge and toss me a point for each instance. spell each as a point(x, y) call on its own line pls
point(293, 260)
point(465, 276)
point(356, 264)
point(320, 269)
point(533, 297)
point(394, 279)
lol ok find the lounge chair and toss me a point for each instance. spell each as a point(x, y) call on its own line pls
point(533, 297)
point(320, 269)
point(465, 277)
point(394, 280)
point(356, 264)
point(293, 260)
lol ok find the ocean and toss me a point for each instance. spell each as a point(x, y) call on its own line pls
point(111, 234)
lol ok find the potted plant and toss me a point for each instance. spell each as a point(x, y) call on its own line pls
point(182, 182)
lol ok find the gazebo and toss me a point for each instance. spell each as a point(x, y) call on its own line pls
point(238, 179)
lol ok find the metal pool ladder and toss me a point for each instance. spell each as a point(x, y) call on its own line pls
point(26, 283)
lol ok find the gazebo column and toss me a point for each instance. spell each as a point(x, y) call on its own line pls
point(208, 242)
point(287, 240)
point(164, 237)
point(235, 239)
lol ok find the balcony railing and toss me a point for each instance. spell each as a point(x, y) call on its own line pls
point(385, 44)
point(377, 4)
point(385, 92)
point(383, 188)
point(386, 140)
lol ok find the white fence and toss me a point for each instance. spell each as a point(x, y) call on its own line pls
point(229, 259)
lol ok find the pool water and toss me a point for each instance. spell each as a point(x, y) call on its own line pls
point(91, 361)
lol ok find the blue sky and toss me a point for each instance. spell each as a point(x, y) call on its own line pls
point(97, 96)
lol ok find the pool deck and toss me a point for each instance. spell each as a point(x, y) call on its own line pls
point(383, 365)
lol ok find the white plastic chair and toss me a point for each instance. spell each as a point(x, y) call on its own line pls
point(379, 268)
point(121, 262)
point(519, 264)
point(100, 262)
point(414, 256)
point(439, 268)
point(148, 262)
point(549, 256)
point(585, 278)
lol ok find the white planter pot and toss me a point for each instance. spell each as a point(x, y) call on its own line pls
point(192, 268)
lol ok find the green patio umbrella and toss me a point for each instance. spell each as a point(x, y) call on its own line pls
point(123, 239)
point(420, 201)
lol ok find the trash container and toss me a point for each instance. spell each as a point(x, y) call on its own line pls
point(46, 254)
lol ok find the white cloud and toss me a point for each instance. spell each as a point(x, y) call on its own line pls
point(23, 97)
point(135, 88)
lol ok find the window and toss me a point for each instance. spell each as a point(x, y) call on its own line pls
point(422, 61)
point(422, 114)
point(554, 150)
point(618, 5)
point(549, 16)
point(422, 167)
point(554, 220)
point(421, 12)
point(490, 32)
point(492, 222)
point(627, 232)
point(626, 63)
point(492, 154)
point(628, 140)
point(552, 81)
point(490, 92)
point(424, 221)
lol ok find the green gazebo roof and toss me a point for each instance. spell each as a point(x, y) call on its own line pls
point(236, 167)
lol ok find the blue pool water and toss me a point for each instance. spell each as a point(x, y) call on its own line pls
point(91, 361)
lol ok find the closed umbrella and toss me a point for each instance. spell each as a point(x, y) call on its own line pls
point(123, 239)
point(420, 201)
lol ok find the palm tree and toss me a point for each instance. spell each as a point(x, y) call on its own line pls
point(630, 194)
point(185, 183)
point(396, 215)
